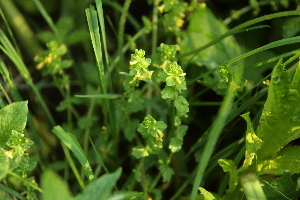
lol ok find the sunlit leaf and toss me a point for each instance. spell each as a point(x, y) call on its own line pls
point(12, 117)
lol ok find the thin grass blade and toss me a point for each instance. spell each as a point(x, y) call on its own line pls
point(71, 142)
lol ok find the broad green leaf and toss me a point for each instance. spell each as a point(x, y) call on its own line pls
point(229, 166)
point(280, 120)
point(101, 188)
point(4, 163)
point(203, 28)
point(253, 143)
point(12, 117)
point(287, 160)
point(71, 142)
point(281, 188)
point(54, 187)
point(207, 195)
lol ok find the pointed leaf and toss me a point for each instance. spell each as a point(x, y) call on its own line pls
point(229, 166)
point(253, 143)
point(279, 123)
point(207, 195)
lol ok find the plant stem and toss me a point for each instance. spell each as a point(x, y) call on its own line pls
point(122, 27)
point(48, 19)
point(154, 27)
point(72, 165)
point(215, 132)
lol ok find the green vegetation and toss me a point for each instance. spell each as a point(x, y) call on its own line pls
point(187, 100)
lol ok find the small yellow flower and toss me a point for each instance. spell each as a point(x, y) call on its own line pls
point(266, 82)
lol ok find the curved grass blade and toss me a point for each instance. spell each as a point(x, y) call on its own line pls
point(266, 47)
point(71, 142)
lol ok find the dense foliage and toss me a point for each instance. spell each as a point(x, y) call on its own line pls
point(149, 99)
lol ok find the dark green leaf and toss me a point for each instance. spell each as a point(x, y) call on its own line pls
point(166, 171)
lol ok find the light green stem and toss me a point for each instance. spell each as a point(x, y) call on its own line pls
point(122, 27)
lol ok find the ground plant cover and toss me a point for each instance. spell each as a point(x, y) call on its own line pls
point(150, 99)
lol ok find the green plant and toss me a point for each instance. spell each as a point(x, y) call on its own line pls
point(113, 116)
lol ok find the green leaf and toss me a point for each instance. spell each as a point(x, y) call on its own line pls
point(12, 117)
point(229, 166)
point(101, 188)
point(169, 93)
point(287, 160)
point(281, 188)
point(203, 28)
point(71, 142)
point(279, 123)
point(207, 195)
point(181, 105)
point(166, 172)
point(253, 143)
point(182, 131)
point(139, 152)
point(175, 144)
point(4, 163)
point(54, 187)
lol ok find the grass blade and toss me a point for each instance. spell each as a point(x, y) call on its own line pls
point(266, 47)
point(71, 142)
point(93, 24)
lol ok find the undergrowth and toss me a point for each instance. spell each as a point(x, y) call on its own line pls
point(101, 102)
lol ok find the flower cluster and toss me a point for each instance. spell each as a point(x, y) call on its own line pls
point(173, 10)
point(152, 129)
point(51, 61)
point(138, 66)
point(174, 77)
